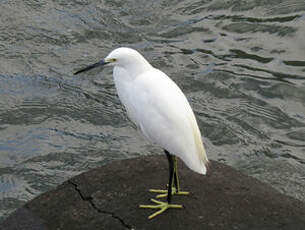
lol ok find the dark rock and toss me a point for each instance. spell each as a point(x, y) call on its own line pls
point(108, 198)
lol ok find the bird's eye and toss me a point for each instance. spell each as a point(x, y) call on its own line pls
point(112, 60)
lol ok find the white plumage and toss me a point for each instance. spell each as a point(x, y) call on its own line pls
point(158, 107)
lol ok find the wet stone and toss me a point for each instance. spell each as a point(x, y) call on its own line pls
point(108, 198)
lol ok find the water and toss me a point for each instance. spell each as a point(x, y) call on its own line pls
point(240, 63)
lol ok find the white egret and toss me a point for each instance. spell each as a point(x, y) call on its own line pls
point(161, 111)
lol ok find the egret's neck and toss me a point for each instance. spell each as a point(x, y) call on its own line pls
point(135, 67)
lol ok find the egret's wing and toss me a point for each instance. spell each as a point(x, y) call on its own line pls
point(166, 118)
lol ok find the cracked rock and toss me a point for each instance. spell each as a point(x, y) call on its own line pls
point(108, 198)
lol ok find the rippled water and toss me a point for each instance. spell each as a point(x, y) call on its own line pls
point(240, 63)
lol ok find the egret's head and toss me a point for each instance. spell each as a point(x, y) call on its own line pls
point(124, 57)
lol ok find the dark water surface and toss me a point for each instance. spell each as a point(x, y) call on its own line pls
point(240, 63)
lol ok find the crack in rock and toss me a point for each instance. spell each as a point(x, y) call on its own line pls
point(90, 200)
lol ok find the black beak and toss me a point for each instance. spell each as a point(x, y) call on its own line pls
point(100, 63)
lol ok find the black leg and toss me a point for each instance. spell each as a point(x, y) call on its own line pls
point(176, 181)
point(171, 175)
point(170, 158)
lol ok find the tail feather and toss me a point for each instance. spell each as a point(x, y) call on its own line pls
point(200, 147)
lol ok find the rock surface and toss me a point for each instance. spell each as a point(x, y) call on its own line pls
point(108, 198)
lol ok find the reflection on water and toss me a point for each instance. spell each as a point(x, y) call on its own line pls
point(242, 66)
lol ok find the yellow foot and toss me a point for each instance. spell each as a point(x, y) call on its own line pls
point(163, 206)
point(164, 192)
